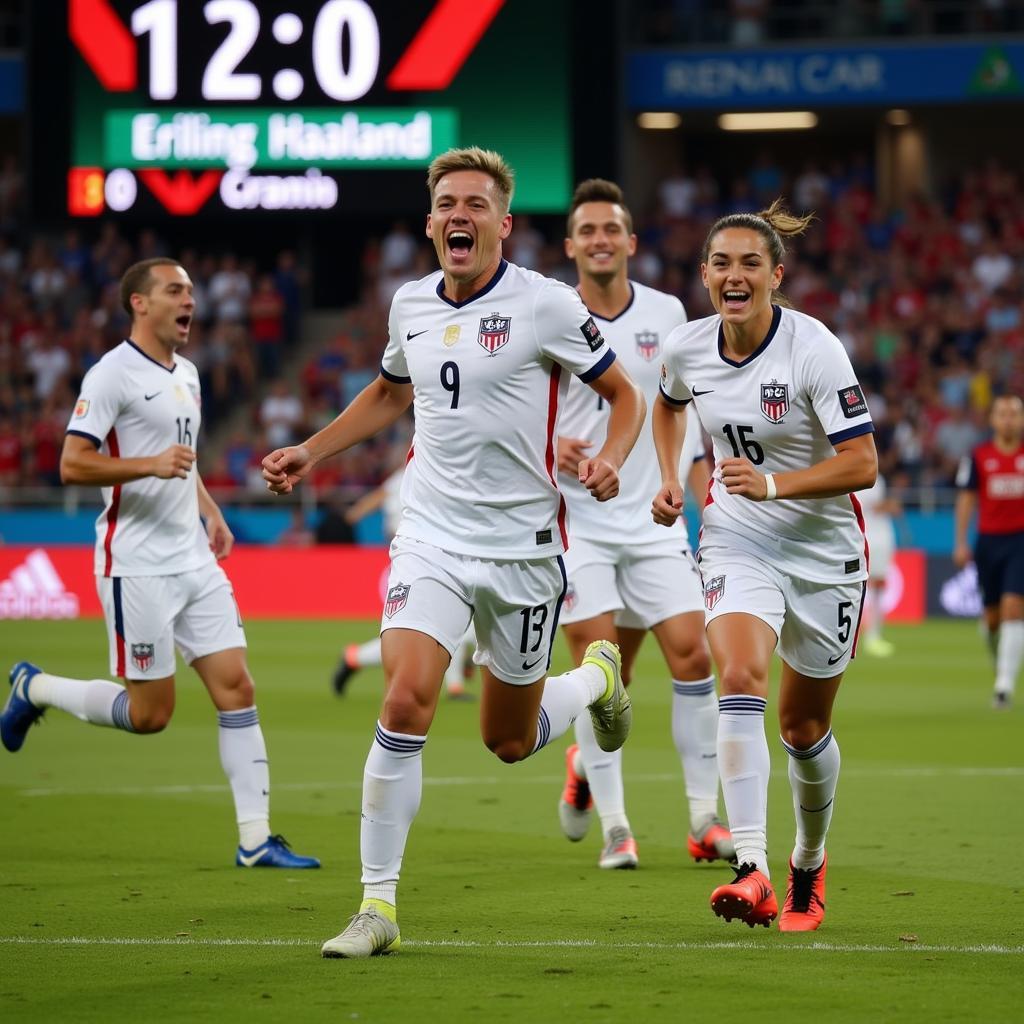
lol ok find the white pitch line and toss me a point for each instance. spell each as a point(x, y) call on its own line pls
point(920, 772)
point(765, 947)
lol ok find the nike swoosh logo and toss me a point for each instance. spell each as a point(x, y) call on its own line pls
point(249, 859)
point(836, 658)
point(410, 334)
point(527, 667)
point(152, 396)
point(697, 394)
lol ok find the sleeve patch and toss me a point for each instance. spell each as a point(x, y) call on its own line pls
point(852, 402)
point(591, 334)
point(81, 408)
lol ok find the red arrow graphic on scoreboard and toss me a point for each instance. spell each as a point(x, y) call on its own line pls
point(181, 195)
point(443, 43)
point(107, 46)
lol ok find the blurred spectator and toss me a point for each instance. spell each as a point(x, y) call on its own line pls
point(267, 325)
point(229, 290)
point(281, 415)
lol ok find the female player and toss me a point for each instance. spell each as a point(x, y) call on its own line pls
point(782, 550)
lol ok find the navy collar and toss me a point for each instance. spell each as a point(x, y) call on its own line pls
point(498, 275)
point(622, 312)
point(776, 318)
point(169, 369)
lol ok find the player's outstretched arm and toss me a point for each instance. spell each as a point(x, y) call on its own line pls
point(81, 463)
point(222, 540)
point(600, 474)
point(853, 468)
point(377, 406)
point(668, 425)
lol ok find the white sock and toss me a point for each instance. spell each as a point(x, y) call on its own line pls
point(368, 654)
point(1009, 655)
point(243, 756)
point(695, 732)
point(745, 766)
point(98, 701)
point(565, 698)
point(392, 788)
point(603, 772)
point(813, 775)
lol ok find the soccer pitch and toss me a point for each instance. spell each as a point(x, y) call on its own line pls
point(121, 902)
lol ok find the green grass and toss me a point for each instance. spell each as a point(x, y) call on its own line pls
point(107, 837)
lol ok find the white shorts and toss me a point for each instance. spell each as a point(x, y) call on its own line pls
point(514, 605)
point(148, 615)
point(816, 623)
point(642, 586)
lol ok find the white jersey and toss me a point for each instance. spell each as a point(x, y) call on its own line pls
point(489, 375)
point(131, 406)
point(636, 336)
point(784, 408)
point(392, 507)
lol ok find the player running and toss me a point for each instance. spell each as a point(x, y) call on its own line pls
point(782, 549)
point(626, 574)
point(133, 434)
point(483, 350)
point(991, 479)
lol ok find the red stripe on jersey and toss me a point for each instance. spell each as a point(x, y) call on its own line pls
point(115, 504)
point(708, 500)
point(549, 454)
point(412, 452)
point(119, 640)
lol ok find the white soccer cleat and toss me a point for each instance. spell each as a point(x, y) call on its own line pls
point(369, 933)
point(619, 850)
point(612, 713)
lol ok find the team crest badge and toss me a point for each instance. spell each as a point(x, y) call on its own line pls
point(395, 601)
point(569, 601)
point(714, 589)
point(81, 408)
point(648, 346)
point(494, 331)
point(142, 656)
point(774, 401)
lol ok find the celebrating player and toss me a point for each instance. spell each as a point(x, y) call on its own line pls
point(483, 350)
point(782, 550)
point(991, 479)
point(133, 433)
point(626, 574)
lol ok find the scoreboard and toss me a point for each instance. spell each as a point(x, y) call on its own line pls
point(184, 108)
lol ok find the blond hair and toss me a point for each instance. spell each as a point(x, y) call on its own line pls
point(473, 158)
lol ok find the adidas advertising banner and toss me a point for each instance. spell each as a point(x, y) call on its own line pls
point(269, 583)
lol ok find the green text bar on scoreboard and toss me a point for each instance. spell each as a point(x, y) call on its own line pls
point(379, 137)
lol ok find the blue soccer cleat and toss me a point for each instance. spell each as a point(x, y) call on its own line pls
point(274, 853)
point(19, 713)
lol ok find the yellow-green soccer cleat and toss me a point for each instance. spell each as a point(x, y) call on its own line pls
point(369, 933)
point(612, 713)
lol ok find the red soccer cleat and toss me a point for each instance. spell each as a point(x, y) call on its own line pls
point(576, 803)
point(749, 897)
point(712, 842)
point(804, 909)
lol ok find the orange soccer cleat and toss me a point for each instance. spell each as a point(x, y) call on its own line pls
point(749, 897)
point(711, 842)
point(576, 803)
point(804, 909)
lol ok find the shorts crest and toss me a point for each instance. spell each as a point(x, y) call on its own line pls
point(142, 656)
point(397, 596)
point(494, 332)
point(774, 401)
point(714, 590)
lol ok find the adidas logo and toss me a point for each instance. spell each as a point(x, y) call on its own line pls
point(35, 591)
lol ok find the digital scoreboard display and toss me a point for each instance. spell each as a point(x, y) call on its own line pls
point(228, 107)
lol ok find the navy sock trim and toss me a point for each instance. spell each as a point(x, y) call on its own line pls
point(398, 742)
point(806, 755)
point(121, 714)
point(741, 704)
point(543, 730)
point(241, 719)
point(700, 688)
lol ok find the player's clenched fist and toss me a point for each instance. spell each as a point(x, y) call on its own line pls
point(740, 477)
point(285, 467)
point(667, 506)
point(174, 461)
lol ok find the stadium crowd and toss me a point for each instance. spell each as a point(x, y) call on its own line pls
point(927, 299)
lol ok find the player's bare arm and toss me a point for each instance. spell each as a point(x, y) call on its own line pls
point(377, 406)
point(697, 479)
point(853, 468)
point(81, 463)
point(668, 425)
point(600, 474)
point(966, 503)
point(571, 452)
point(222, 540)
